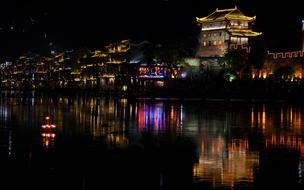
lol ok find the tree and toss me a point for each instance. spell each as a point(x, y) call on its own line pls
point(258, 54)
point(236, 60)
point(173, 51)
point(284, 71)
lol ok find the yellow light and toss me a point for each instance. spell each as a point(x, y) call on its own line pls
point(252, 117)
point(75, 73)
point(124, 88)
point(264, 118)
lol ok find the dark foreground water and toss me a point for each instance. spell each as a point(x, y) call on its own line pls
point(113, 143)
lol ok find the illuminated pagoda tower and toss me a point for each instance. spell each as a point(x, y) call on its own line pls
point(224, 29)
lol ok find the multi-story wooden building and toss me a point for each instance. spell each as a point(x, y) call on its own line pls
point(224, 29)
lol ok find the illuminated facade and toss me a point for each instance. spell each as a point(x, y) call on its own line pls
point(277, 61)
point(288, 64)
point(6, 74)
point(81, 68)
point(56, 70)
point(117, 52)
point(224, 29)
point(158, 71)
point(29, 71)
point(111, 63)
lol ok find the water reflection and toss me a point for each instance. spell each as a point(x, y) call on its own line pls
point(48, 140)
point(237, 145)
point(158, 117)
point(226, 164)
point(234, 155)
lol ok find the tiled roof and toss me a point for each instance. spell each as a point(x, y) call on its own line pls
point(230, 14)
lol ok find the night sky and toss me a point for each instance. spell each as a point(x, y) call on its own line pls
point(64, 24)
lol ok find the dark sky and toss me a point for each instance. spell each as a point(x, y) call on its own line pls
point(40, 25)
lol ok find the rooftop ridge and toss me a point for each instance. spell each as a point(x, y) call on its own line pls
point(223, 10)
point(223, 14)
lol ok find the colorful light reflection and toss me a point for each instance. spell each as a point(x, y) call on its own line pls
point(226, 164)
point(158, 117)
point(151, 117)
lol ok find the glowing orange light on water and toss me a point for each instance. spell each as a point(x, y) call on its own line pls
point(48, 135)
point(47, 126)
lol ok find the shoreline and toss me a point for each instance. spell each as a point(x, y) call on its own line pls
point(70, 93)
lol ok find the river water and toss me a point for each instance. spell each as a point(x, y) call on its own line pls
point(115, 143)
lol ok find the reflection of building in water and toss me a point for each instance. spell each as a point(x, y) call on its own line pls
point(116, 140)
point(284, 156)
point(48, 140)
point(281, 130)
point(82, 115)
point(224, 159)
point(285, 140)
point(4, 113)
point(226, 164)
point(159, 117)
point(151, 116)
point(289, 116)
point(4, 133)
point(105, 118)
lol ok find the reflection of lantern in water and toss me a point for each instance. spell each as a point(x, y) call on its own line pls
point(48, 139)
point(48, 132)
point(48, 125)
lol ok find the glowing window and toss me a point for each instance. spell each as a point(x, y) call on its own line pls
point(214, 43)
point(209, 35)
point(205, 35)
point(204, 44)
point(214, 34)
point(220, 43)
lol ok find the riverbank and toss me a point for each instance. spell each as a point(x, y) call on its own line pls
point(238, 90)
